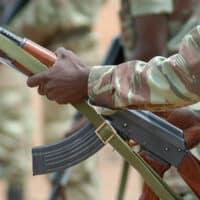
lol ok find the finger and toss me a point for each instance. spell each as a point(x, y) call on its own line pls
point(192, 136)
point(132, 143)
point(51, 96)
point(41, 89)
point(61, 101)
point(61, 52)
point(36, 79)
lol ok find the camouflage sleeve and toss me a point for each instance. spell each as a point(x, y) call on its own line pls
point(43, 20)
point(37, 21)
point(160, 84)
point(144, 7)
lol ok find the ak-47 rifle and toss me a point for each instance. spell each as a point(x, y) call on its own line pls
point(164, 143)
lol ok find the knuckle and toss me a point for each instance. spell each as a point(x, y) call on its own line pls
point(60, 101)
point(60, 49)
point(61, 52)
point(50, 97)
point(40, 91)
point(69, 52)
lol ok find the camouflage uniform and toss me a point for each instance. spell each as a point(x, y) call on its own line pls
point(16, 116)
point(68, 23)
point(180, 22)
point(16, 127)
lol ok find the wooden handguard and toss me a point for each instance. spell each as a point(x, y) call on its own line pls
point(46, 56)
point(189, 170)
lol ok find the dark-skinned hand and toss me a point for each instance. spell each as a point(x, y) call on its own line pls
point(65, 82)
point(186, 119)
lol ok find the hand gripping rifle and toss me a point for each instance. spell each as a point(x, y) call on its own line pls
point(164, 143)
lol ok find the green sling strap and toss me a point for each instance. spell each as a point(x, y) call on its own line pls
point(104, 130)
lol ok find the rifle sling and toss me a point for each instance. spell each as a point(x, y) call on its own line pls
point(105, 131)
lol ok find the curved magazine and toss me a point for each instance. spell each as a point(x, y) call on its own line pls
point(66, 153)
point(153, 133)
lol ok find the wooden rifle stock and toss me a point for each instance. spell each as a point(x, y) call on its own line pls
point(189, 170)
point(44, 55)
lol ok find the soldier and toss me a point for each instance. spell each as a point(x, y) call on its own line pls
point(170, 20)
point(16, 129)
point(67, 23)
point(160, 84)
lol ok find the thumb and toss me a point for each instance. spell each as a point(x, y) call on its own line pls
point(37, 79)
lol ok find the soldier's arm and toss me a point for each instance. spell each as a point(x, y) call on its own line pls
point(151, 36)
point(150, 21)
point(161, 83)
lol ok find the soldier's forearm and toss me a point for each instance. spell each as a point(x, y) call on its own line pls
point(154, 43)
point(159, 84)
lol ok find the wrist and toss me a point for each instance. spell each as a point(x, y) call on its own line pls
point(86, 73)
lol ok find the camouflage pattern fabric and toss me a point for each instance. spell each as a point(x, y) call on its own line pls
point(16, 126)
point(83, 182)
point(55, 23)
point(67, 23)
point(159, 84)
